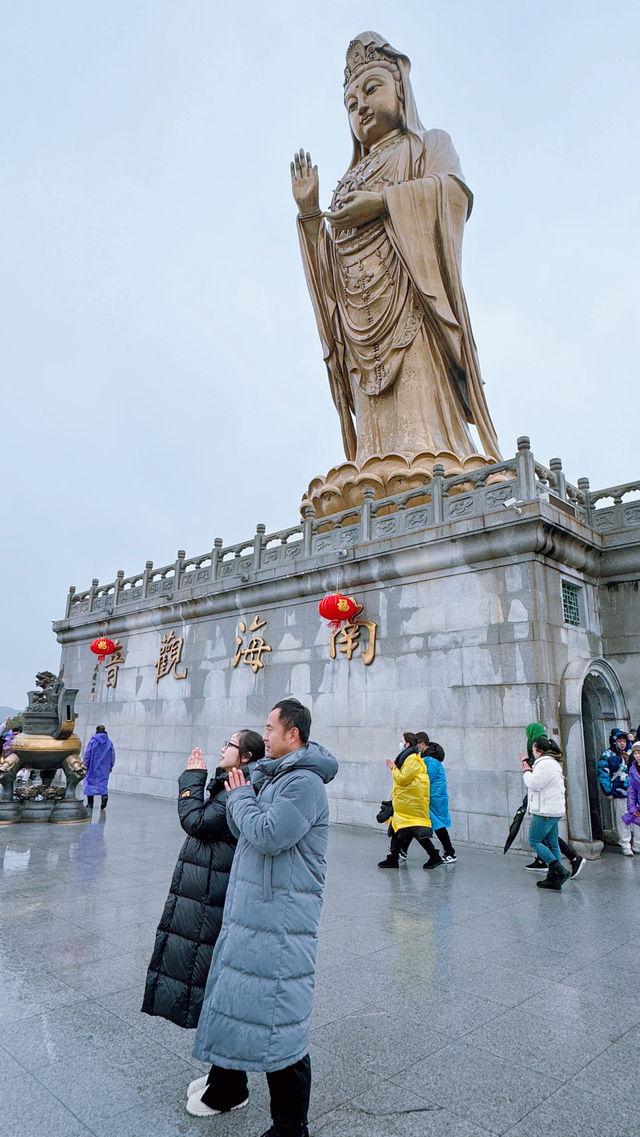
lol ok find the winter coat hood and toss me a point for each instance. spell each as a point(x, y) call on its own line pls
point(614, 735)
point(219, 777)
point(313, 757)
point(434, 750)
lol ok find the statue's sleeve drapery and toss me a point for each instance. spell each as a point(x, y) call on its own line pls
point(425, 223)
point(316, 259)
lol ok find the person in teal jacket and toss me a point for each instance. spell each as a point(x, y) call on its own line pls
point(433, 755)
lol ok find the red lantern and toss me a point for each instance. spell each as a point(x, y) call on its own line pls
point(337, 608)
point(101, 647)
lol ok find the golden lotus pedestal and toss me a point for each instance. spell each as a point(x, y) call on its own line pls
point(388, 475)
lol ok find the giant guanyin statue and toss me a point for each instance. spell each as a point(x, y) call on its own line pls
point(383, 269)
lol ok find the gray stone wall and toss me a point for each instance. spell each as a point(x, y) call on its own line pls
point(470, 655)
point(472, 640)
point(620, 609)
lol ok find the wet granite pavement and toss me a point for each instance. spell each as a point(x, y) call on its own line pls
point(455, 1003)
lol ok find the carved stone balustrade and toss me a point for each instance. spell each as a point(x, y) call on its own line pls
point(413, 515)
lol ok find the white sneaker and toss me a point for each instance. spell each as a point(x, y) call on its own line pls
point(197, 1087)
point(449, 860)
point(627, 852)
point(196, 1106)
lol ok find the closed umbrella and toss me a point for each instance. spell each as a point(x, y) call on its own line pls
point(514, 828)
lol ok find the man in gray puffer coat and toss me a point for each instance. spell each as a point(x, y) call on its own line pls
point(257, 1003)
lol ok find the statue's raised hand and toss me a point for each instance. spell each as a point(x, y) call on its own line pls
point(304, 183)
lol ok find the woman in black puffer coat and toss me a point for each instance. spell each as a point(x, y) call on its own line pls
point(192, 915)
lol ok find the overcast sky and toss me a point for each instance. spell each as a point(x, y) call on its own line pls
point(163, 379)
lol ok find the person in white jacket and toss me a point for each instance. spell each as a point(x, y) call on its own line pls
point(545, 787)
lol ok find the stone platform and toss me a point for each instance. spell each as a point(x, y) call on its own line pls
point(493, 603)
point(462, 1002)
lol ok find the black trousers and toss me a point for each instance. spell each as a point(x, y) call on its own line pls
point(567, 851)
point(225, 1088)
point(401, 840)
point(105, 798)
point(289, 1090)
point(445, 840)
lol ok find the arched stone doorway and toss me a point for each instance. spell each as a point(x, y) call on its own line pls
point(592, 702)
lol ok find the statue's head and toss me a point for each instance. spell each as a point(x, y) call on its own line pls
point(377, 92)
point(374, 103)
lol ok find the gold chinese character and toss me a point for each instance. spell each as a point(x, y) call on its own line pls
point(169, 658)
point(252, 654)
point(348, 640)
point(114, 662)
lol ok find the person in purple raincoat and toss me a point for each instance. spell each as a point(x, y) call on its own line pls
point(99, 758)
point(632, 816)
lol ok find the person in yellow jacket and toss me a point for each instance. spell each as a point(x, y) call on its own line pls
point(410, 800)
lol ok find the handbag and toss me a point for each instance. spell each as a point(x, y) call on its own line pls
point(385, 813)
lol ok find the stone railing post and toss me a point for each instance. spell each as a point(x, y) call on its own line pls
point(148, 569)
point(117, 586)
point(368, 495)
point(92, 592)
point(70, 597)
point(437, 493)
point(555, 464)
point(178, 568)
point(526, 469)
point(257, 546)
point(215, 557)
point(308, 516)
point(585, 490)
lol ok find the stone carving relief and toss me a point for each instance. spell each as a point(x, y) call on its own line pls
point(463, 507)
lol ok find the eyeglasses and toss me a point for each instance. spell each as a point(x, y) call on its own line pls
point(230, 743)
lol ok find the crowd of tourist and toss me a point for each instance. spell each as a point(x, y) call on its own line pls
point(419, 805)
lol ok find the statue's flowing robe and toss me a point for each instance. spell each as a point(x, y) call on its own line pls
point(391, 310)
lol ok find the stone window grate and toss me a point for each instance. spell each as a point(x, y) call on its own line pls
point(571, 603)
